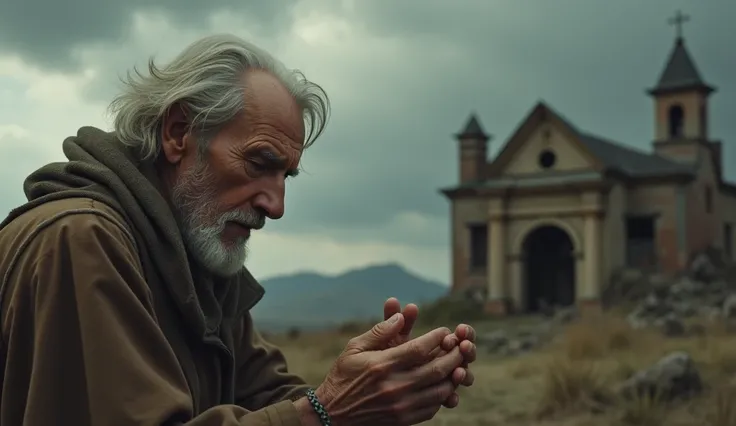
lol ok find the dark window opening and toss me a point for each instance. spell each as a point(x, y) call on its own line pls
point(727, 240)
point(478, 247)
point(704, 121)
point(640, 241)
point(676, 121)
point(708, 199)
point(547, 159)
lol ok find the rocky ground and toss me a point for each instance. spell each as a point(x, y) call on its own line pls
point(676, 307)
point(662, 353)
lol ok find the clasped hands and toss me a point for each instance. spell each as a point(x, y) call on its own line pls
point(385, 377)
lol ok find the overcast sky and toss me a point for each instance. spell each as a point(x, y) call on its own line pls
point(403, 77)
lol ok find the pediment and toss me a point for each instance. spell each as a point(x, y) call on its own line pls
point(544, 142)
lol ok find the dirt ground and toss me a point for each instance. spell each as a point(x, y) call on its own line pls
point(571, 380)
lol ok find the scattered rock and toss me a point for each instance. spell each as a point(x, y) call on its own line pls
point(476, 294)
point(703, 268)
point(730, 326)
point(682, 298)
point(672, 377)
point(502, 343)
point(492, 342)
point(673, 327)
point(729, 307)
point(696, 330)
point(565, 315)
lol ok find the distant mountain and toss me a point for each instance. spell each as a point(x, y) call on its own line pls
point(314, 301)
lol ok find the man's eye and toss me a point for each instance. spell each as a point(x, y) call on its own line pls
point(255, 165)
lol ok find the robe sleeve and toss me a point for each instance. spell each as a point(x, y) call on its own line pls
point(82, 345)
point(263, 377)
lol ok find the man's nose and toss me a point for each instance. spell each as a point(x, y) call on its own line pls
point(271, 201)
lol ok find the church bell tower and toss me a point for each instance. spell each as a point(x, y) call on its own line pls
point(680, 103)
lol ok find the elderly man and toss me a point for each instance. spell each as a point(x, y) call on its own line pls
point(124, 298)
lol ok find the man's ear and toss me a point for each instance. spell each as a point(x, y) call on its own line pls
point(175, 135)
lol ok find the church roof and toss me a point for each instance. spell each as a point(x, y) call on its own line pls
point(473, 129)
point(680, 73)
point(611, 156)
point(616, 156)
point(630, 161)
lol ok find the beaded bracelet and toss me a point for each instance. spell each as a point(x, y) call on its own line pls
point(318, 408)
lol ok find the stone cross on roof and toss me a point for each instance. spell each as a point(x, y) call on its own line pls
point(677, 21)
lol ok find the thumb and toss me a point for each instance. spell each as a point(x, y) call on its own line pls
point(380, 335)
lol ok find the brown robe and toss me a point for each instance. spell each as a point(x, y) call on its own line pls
point(106, 321)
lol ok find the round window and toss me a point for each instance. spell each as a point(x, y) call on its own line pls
point(547, 159)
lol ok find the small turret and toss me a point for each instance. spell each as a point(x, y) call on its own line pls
point(473, 147)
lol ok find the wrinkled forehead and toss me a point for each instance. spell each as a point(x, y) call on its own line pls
point(269, 104)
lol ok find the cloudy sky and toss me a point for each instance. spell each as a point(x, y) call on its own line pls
point(403, 77)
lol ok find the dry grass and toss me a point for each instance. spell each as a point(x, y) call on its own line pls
point(572, 380)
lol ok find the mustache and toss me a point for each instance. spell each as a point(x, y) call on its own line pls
point(250, 219)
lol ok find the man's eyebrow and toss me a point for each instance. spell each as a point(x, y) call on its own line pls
point(275, 161)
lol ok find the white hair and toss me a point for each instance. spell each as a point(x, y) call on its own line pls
point(206, 79)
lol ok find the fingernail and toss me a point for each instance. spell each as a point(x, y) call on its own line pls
point(467, 330)
point(394, 318)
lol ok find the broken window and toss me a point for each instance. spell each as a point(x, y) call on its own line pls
point(640, 241)
point(478, 246)
point(676, 121)
point(708, 199)
point(727, 240)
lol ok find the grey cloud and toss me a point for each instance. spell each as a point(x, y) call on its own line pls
point(46, 32)
point(590, 60)
point(389, 146)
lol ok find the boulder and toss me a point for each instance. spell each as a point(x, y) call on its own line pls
point(672, 377)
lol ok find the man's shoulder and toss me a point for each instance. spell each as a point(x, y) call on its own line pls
point(79, 212)
point(65, 222)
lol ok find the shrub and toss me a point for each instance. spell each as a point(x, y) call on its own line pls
point(597, 338)
point(572, 386)
point(450, 310)
point(723, 412)
point(644, 409)
point(293, 333)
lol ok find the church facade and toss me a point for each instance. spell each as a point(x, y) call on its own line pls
point(559, 209)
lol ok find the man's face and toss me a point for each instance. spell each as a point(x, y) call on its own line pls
point(222, 195)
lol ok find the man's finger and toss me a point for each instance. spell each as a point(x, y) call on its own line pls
point(469, 378)
point(435, 371)
point(418, 350)
point(465, 332)
point(437, 352)
point(377, 337)
point(449, 342)
point(390, 307)
point(452, 401)
point(411, 312)
point(469, 351)
point(424, 404)
point(458, 375)
point(462, 376)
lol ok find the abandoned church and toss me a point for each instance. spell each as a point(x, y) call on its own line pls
point(558, 210)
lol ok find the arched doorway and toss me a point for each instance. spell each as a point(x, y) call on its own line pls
point(549, 268)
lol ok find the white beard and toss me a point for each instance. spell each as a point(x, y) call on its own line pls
point(202, 223)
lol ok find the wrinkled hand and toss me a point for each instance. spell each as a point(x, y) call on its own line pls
point(464, 336)
point(370, 385)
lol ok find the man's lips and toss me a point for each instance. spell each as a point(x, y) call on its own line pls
point(240, 229)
